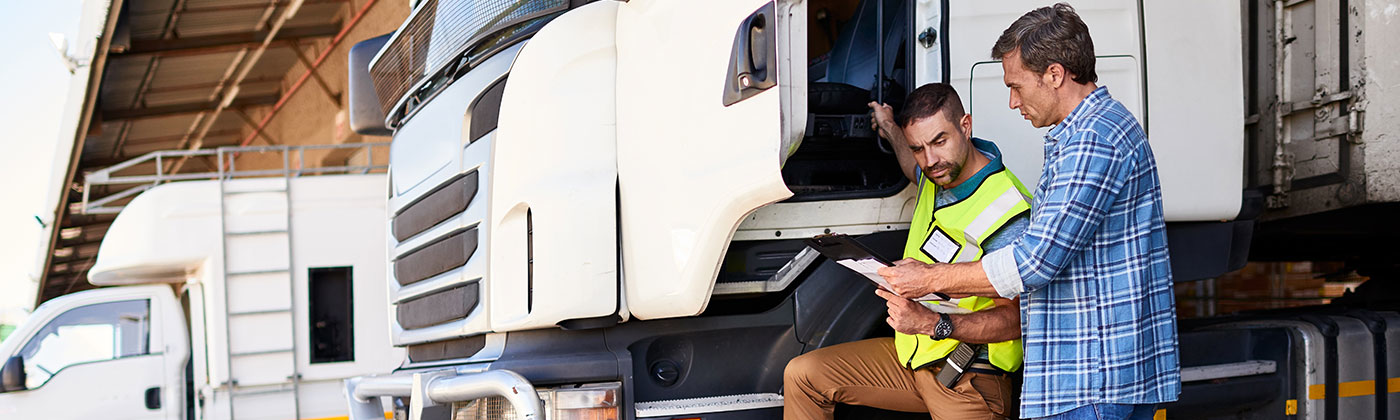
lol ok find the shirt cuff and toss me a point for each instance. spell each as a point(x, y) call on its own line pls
point(1000, 266)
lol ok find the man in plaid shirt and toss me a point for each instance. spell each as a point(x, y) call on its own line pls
point(1098, 317)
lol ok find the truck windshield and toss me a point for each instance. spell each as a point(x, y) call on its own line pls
point(437, 36)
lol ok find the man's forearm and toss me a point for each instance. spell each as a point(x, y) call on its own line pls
point(907, 164)
point(994, 325)
point(961, 280)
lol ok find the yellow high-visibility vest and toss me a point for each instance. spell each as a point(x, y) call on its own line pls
point(955, 233)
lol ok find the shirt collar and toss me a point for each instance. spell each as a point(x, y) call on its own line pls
point(965, 189)
point(1092, 101)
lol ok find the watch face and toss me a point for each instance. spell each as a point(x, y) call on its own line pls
point(944, 328)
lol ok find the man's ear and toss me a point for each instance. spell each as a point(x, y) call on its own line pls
point(1054, 75)
point(965, 123)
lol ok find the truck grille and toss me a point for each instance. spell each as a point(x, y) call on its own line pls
point(447, 349)
point(446, 201)
point(438, 32)
point(437, 308)
point(436, 258)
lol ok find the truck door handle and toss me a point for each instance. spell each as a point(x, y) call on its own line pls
point(153, 398)
point(753, 61)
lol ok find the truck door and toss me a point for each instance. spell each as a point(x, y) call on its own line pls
point(99, 358)
point(705, 95)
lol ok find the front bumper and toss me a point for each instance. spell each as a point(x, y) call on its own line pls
point(426, 389)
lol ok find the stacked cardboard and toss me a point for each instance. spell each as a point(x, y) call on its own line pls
point(1266, 285)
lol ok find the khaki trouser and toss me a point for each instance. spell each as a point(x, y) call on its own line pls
point(867, 373)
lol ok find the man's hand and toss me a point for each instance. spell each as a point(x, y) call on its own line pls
point(882, 122)
point(882, 119)
point(910, 278)
point(908, 316)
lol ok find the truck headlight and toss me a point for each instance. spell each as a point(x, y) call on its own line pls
point(575, 402)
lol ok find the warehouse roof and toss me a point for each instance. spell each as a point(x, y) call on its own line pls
point(164, 79)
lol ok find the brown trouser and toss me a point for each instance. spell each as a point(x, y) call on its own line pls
point(867, 373)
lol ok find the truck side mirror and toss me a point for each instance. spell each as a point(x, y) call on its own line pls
point(12, 375)
point(366, 112)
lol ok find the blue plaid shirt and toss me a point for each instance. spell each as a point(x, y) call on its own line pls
point(1097, 311)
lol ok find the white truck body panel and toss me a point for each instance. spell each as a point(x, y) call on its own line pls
point(1199, 144)
point(975, 27)
point(174, 233)
point(689, 168)
point(565, 267)
point(1199, 169)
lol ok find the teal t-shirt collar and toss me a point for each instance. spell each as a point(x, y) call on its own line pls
point(965, 189)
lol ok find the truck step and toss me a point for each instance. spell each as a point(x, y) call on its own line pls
point(702, 405)
point(1227, 370)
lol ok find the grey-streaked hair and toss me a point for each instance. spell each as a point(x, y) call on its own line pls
point(1049, 35)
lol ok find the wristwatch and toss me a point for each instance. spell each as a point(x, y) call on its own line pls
point(943, 328)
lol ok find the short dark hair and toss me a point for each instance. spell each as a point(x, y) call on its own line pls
point(1048, 35)
point(927, 100)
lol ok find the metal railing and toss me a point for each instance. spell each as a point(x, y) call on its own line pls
point(225, 167)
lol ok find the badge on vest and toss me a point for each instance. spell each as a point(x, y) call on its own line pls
point(940, 246)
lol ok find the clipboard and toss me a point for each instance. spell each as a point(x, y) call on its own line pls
point(839, 247)
point(855, 256)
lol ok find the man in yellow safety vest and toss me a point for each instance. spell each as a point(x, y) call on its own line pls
point(953, 363)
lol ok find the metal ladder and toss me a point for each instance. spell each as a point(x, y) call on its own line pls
point(283, 359)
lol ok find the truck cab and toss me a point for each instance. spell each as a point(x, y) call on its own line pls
point(123, 351)
point(604, 202)
point(247, 298)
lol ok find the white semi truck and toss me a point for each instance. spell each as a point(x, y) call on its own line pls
point(246, 298)
point(596, 209)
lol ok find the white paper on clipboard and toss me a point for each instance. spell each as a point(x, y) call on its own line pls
point(870, 267)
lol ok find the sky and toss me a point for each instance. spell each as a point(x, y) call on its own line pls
point(34, 85)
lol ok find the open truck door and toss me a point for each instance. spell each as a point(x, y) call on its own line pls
point(115, 353)
point(705, 97)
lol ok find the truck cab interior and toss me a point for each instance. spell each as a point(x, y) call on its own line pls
point(840, 156)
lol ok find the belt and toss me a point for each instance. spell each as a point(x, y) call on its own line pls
point(982, 366)
point(986, 368)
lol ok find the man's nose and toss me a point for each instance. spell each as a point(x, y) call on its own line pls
point(1014, 101)
point(931, 158)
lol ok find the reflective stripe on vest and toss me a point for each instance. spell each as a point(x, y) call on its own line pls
point(955, 233)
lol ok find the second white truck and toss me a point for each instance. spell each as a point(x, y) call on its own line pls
point(227, 299)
